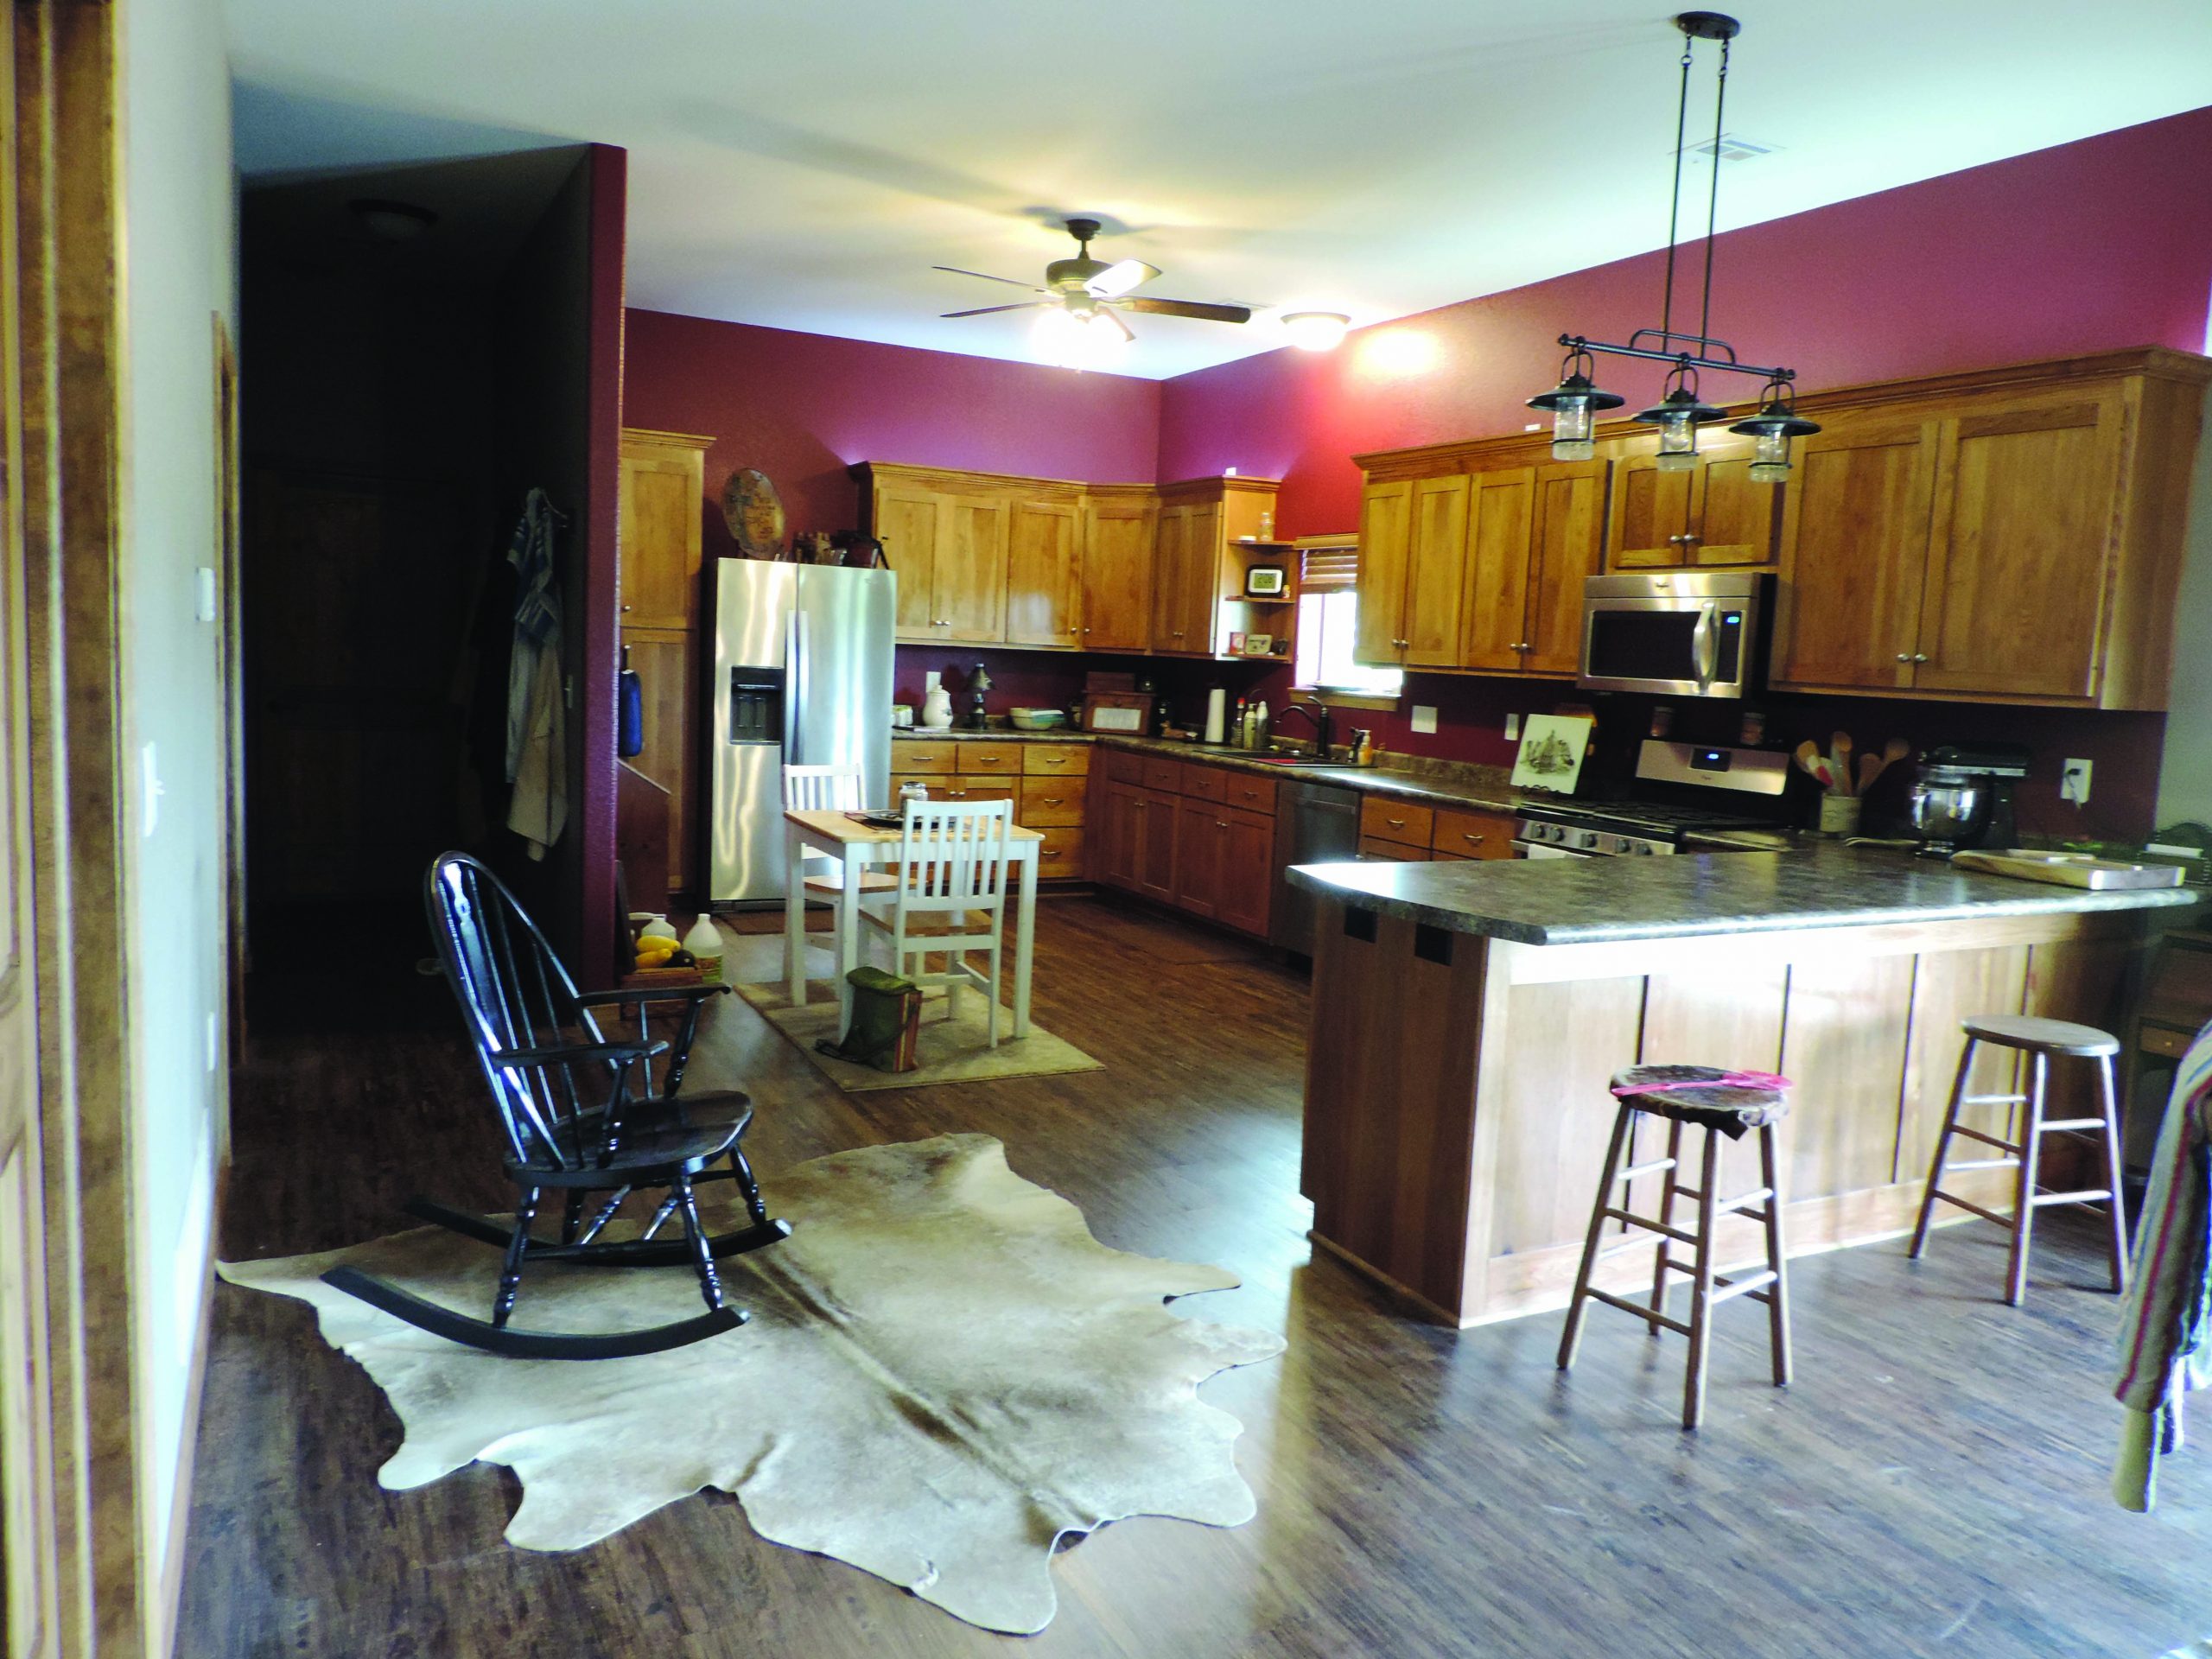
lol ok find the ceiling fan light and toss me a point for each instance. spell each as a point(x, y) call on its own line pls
point(1079, 340)
point(1316, 331)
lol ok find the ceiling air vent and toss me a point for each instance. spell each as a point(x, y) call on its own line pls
point(1729, 148)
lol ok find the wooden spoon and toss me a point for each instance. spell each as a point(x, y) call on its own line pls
point(1806, 755)
point(1869, 768)
point(1840, 753)
point(1893, 752)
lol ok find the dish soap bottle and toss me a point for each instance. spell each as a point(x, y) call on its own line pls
point(704, 942)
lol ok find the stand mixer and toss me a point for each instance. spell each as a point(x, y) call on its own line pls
point(1963, 796)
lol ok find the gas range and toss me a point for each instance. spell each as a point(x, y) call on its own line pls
point(1573, 829)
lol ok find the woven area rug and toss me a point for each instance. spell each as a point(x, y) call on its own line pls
point(944, 1374)
point(950, 1050)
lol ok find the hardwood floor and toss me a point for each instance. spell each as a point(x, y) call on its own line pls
point(1933, 1483)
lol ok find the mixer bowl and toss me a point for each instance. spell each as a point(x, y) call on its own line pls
point(1947, 814)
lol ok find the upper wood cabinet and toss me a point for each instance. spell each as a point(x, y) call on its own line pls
point(1413, 562)
point(2014, 537)
point(1501, 519)
point(1117, 533)
point(1385, 535)
point(984, 558)
point(663, 501)
point(1709, 513)
point(1565, 543)
point(661, 504)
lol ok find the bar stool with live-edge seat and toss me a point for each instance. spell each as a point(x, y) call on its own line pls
point(1719, 1102)
point(2042, 1038)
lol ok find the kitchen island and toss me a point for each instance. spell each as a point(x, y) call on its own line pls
point(1468, 1017)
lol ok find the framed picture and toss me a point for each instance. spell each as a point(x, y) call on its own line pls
point(1259, 645)
point(1267, 582)
point(1236, 643)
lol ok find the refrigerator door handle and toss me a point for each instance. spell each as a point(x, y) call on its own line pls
point(795, 685)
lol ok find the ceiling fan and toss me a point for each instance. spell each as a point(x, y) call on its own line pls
point(1092, 292)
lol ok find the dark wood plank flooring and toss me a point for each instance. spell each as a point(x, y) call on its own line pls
point(1934, 1482)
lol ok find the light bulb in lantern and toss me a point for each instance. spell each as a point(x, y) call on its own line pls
point(1677, 441)
point(1770, 458)
point(1573, 405)
point(1571, 439)
point(1772, 427)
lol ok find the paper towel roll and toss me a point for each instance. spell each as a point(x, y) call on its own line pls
point(1217, 716)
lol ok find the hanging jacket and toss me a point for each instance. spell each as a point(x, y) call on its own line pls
point(2165, 1324)
point(536, 708)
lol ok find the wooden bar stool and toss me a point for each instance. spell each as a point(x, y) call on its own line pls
point(2042, 1038)
point(1719, 1102)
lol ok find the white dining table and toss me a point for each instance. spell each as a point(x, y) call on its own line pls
point(860, 847)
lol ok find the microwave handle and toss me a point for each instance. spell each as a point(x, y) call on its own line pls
point(1705, 645)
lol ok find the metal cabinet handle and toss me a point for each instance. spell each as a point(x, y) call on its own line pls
point(1053, 800)
point(1920, 656)
point(626, 607)
point(1904, 656)
point(1476, 840)
point(1221, 824)
point(1050, 852)
point(1086, 630)
point(986, 759)
point(1395, 823)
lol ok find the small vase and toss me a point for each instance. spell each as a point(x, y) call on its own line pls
point(936, 702)
point(1839, 815)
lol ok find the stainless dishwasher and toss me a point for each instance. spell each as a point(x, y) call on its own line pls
point(1315, 823)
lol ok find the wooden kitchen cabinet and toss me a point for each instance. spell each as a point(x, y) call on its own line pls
point(1199, 837)
point(1245, 897)
point(1118, 532)
point(949, 551)
point(1709, 514)
point(1470, 832)
point(1564, 544)
point(1044, 575)
point(661, 504)
point(1501, 524)
point(1385, 538)
point(2010, 537)
point(1198, 826)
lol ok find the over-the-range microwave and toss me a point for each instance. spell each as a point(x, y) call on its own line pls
point(1679, 634)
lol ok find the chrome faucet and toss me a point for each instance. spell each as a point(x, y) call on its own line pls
point(1318, 712)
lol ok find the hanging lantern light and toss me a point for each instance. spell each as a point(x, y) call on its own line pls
point(1573, 405)
point(1777, 422)
point(1678, 414)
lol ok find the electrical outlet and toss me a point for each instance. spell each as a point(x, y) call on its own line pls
point(2073, 783)
point(1424, 717)
point(149, 789)
point(1512, 728)
point(214, 1043)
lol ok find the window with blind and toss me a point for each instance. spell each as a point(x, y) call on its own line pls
point(1328, 623)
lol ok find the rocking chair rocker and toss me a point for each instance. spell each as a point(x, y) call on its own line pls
point(582, 1116)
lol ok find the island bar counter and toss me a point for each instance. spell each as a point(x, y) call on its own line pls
point(1467, 1019)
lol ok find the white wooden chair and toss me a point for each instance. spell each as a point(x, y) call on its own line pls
point(830, 789)
point(950, 898)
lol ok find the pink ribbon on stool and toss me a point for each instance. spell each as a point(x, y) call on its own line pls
point(1725, 1080)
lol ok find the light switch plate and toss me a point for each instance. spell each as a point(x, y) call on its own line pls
point(149, 788)
point(1512, 728)
point(2074, 782)
point(1424, 717)
point(205, 589)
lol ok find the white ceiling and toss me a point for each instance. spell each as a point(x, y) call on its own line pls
point(804, 165)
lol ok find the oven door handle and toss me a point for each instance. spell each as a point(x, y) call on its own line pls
point(1705, 645)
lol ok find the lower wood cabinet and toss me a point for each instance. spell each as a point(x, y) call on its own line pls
point(1164, 829)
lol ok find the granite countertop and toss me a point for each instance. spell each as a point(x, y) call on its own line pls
point(1596, 900)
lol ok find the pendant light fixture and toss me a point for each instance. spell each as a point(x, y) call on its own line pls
point(1679, 411)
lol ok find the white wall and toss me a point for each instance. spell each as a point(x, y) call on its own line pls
point(2185, 770)
point(179, 219)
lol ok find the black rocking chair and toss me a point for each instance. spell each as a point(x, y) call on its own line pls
point(582, 1116)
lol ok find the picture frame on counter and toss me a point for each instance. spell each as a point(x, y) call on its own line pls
point(1267, 582)
point(1258, 645)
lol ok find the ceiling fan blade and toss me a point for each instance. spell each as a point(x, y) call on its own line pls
point(1119, 278)
point(987, 277)
point(1110, 312)
point(1203, 312)
point(986, 310)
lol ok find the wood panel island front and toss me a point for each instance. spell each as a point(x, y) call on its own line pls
point(1468, 1017)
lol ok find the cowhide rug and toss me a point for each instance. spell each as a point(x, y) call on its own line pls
point(943, 1374)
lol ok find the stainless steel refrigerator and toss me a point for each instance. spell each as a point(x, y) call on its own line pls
point(802, 677)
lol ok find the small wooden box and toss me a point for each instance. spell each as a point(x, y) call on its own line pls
point(1128, 712)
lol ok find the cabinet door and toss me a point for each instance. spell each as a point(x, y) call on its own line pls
point(661, 498)
point(1044, 574)
point(1170, 564)
point(1246, 889)
point(1117, 554)
point(908, 523)
point(969, 580)
point(1385, 529)
point(1436, 566)
point(2021, 541)
point(1155, 844)
point(1568, 538)
point(667, 667)
point(1120, 818)
point(1651, 517)
point(1735, 520)
point(1201, 578)
point(1501, 518)
point(1198, 826)
point(1854, 548)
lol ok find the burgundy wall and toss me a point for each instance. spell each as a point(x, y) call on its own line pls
point(802, 408)
point(597, 686)
point(2089, 246)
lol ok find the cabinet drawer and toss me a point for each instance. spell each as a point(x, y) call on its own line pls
point(1163, 774)
point(1049, 801)
point(1124, 767)
point(1056, 759)
point(1401, 821)
point(1060, 859)
point(990, 760)
point(1472, 835)
point(921, 754)
point(1251, 794)
point(2165, 1040)
point(965, 788)
point(1206, 783)
point(1394, 851)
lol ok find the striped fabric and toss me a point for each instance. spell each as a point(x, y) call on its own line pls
point(537, 617)
point(2165, 1325)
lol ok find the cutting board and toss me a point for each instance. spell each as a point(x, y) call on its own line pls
point(2068, 869)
